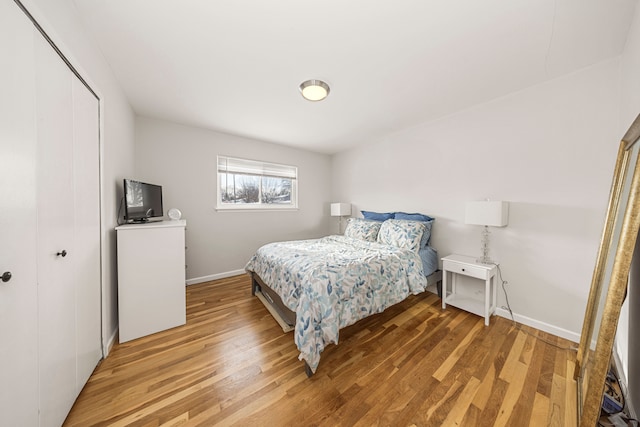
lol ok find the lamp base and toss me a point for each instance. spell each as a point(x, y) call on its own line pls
point(484, 246)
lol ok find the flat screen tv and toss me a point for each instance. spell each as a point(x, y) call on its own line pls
point(142, 201)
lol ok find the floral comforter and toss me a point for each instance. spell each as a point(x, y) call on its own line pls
point(335, 281)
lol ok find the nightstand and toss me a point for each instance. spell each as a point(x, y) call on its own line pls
point(454, 265)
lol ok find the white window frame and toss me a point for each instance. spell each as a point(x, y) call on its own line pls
point(236, 165)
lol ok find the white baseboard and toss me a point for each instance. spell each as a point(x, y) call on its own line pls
point(214, 277)
point(559, 332)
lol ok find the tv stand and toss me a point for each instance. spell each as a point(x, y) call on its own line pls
point(139, 221)
point(151, 277)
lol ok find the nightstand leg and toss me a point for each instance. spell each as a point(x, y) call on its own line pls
point(487, 299)
point(495, 293)
point(445, 280)
point(454, 283)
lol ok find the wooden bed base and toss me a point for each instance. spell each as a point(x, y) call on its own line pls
point(289, 317)
point(257, 285)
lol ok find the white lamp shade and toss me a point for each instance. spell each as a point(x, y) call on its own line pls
point(340, 209)
point(487, 212)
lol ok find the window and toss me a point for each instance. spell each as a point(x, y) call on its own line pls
point(249, 184)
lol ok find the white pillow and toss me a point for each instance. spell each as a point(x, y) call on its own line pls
point(362, 229)
point(401, 233)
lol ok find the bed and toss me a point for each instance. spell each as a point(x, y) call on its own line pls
point(322, 285)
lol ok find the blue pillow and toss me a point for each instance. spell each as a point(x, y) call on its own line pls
point(412, 216)
point(376, 216)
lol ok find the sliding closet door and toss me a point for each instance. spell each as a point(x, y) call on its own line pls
point(18, 295)
point(56, 251)
point(86, 195)
point(49, 228)
point(68, 189)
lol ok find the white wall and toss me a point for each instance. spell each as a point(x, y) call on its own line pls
point(59, 19)
point(627, 342)
point(183, 160)
point(549, 150)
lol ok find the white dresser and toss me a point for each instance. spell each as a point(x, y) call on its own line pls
point(151, 277)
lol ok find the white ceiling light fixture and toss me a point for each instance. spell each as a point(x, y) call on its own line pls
point(314, 90)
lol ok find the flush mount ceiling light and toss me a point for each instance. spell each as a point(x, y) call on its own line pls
point(314, 90)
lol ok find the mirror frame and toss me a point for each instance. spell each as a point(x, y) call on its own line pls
point(592, 366)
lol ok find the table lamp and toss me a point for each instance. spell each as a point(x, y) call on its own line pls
point(487, 213)
point(340, 210)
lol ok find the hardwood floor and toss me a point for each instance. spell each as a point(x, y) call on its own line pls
point(414, 364)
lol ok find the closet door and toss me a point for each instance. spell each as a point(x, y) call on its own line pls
point(68, 189)
point(86, 196)
point(56, 252)
point(18, 296)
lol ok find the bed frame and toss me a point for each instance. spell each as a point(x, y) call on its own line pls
point(289, 317)
point(257, 285)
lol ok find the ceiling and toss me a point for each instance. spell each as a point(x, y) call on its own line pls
point(235, 65)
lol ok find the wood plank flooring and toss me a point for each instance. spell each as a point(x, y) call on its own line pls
point(413, 365)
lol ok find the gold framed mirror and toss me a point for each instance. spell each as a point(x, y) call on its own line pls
point(610, 277)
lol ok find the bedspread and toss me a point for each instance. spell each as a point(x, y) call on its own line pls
point(332, 282)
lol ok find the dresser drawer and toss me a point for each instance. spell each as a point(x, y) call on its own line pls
point(465, 269)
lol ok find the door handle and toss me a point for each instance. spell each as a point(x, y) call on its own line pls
point(62, 254)
point(6, 276)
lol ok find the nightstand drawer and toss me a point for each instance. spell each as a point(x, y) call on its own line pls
point(465, 269)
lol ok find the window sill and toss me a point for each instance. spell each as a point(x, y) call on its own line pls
point(256, 209)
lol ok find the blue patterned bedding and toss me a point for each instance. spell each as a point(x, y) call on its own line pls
point(331, 283)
